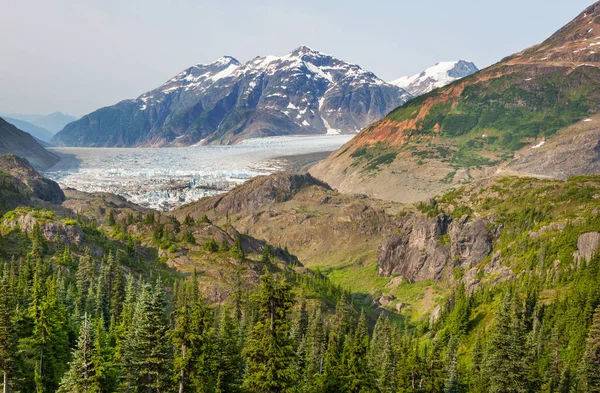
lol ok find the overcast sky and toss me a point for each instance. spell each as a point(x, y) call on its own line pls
point(76, 56)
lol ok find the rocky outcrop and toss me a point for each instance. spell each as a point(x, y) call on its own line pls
point(45, 189)
point(258, 192)
point(587, 246)
point(52, 231)
point(574, 151)
point(429, 248)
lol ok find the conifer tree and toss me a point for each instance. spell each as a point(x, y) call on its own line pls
point(564, 385)
point(315, 348)
point(355, 373)
point(504, 363)
point(231, 363)
point(381, 356)
point(590, 363)
point(451, 385)
point(7, 337)
point(236, 250)
point(269, 351)
point(146, 351)
point(83, 376)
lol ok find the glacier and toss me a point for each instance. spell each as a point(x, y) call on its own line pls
point(166, 178)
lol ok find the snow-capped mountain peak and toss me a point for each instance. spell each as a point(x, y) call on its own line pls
point(302, 92)
point(435, 77)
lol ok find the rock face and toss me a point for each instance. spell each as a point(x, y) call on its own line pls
point(260, 191)
point(45, 189)
point(15, 141)
point(574, 151)
point(587, 246)
point(54, 232)
point(303, 92)
point(429, 248)
point(435, 77)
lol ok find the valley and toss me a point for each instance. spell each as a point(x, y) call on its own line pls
point(296, 224)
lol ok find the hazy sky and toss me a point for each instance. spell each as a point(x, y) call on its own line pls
point(78, 55)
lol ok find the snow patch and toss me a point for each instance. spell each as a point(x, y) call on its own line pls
point(540, 144)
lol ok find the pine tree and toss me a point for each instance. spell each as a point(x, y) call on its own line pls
point(146, 351)
point(355, 373)
point(315, 348)
point(504, 363)
point(269, 351)
point(236, 250)
point(111, 218)
point(564, 385)
point(590, 363)
point(231, 363)
point(381, 356)
point(83, 369)
point(7, 337)
point(451, 385)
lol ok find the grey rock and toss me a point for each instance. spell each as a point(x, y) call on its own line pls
point(429, 248)
point(55, 232)
point(587, 246)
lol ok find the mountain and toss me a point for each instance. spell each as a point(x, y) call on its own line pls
point(53, 122)
point(17, 142)
point(303, 92)
point(476, 126)
point(19, 168)
point(35, 131)
point(435, 77)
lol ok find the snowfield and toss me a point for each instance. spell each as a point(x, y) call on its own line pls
point(170, 177)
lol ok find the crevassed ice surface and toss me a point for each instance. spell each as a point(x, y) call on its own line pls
point(166, 178)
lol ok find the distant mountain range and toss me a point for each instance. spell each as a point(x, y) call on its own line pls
point(435, 77)
point(22, 144)
point(303, 92)
point(53, 122)
point(38, 132)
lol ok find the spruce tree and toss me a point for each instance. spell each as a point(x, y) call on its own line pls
point(270, 352)
point(355, 372)
point(590, 363)
point(231, 363)
point(315, 348)
point(381, 355)
point(451, 385)
point(504, 363)
point(7, 337)
point(83, 369)
point(146, 351)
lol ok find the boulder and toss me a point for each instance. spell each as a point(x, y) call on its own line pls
point(587, 245)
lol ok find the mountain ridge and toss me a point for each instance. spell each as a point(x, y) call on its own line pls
point(22, 144)
point(302, 92)
point(439, 75)
point(475, 126)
